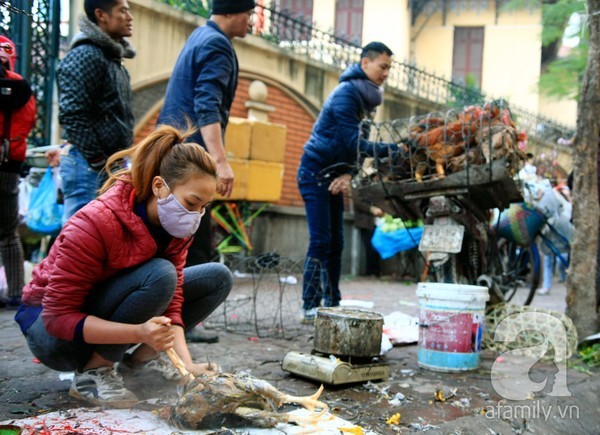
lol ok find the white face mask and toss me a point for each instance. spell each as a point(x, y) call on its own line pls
point(177, 220)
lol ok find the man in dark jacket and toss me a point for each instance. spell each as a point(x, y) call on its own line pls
point(94, 99)
point(201, 90)
point(335, 143)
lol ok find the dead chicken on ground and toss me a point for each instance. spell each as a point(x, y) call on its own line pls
point(237, 400)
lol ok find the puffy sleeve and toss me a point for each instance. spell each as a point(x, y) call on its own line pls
point(79, 263)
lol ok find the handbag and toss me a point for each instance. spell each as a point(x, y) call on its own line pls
point(45, 213)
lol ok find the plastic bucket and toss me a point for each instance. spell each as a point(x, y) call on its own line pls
point(451, 321)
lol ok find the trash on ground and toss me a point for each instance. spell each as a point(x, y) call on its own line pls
point(401, 328)
point(393, 420)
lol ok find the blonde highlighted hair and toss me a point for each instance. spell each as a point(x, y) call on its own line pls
point(164, 153)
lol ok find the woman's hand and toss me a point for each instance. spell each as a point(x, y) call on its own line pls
point(207, 369)
point(340, 184)
point(158, 333)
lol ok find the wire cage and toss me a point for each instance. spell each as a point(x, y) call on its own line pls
point(476, 152)
point(266, 299)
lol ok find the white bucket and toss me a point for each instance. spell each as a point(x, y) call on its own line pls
point(451, 321)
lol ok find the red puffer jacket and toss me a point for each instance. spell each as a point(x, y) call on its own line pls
point(101, 239)
point(21, 122)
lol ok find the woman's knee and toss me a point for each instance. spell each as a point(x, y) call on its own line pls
point(223, 276)
point(211, 277)
point(161, 274)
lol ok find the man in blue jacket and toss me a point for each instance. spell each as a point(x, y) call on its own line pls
point(201, 90)
point(326, 166)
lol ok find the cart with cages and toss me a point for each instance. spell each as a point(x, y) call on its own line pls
point(451, 170)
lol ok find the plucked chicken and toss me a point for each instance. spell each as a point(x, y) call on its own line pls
point(237, 400)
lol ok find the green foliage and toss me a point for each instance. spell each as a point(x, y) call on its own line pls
point(590, 355)
point(555, 17)
point(461, 96)
point(563, 76)
point(197, 7)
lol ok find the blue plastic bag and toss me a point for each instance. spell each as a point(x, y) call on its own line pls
point(45, 214)
point(389, 244)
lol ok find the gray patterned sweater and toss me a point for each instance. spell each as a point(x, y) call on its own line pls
point(95, 93)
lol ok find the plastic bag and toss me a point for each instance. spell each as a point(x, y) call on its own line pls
point(389, 244)
point(45, 214)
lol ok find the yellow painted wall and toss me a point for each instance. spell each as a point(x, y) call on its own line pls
point(563, 111)
point(512, 50)
point(324, 14)
point(388, 22)
point(159, 32)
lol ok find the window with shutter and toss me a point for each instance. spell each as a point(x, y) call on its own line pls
point(349, 19)
point(467, 58)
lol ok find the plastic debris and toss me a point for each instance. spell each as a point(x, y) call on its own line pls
point(441, 396)
point(393, 420)
point(357, 430)
point(401, 328)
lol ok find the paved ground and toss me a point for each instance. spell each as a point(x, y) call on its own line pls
point(250, 343)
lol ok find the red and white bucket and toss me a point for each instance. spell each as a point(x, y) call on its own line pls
point(451, 321)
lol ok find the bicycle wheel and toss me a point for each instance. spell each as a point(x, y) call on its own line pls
point(520, 271)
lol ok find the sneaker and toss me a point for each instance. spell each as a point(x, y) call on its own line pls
point(308, 316)
point(102, 386)
point(200, 334)
point(157, 365)
point(543, 291)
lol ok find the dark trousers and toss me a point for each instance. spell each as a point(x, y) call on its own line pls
point(135, 296)
point(323, 263)
point(11, 250)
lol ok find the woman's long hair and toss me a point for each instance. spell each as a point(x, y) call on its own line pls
point(164, 153)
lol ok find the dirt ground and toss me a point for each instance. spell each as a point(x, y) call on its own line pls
point(251, 326)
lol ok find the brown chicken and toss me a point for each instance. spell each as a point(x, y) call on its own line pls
point(442, 144)
point(237, 400)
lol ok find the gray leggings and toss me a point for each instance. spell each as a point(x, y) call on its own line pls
point(134, 296)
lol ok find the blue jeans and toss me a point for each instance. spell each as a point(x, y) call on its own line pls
point(323, 263)
point(134, 296)
point(549, 265)
point(80, 183)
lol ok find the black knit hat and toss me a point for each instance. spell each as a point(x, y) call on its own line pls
point(222, 7)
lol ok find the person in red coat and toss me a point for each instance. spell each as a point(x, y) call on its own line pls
point(115, 276)
point(17, 118)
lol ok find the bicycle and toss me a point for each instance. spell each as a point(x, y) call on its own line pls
point(519, 252)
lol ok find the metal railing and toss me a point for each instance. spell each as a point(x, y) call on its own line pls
point(302, 37)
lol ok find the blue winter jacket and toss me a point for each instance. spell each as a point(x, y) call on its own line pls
point(334, 138)
point(203, 82)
